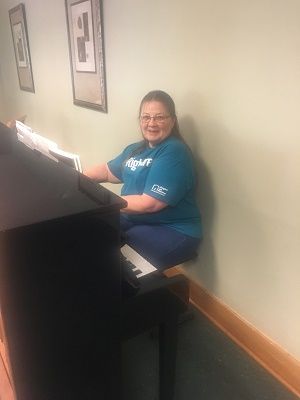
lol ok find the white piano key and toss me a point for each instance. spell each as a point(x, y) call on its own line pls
point(139, 262)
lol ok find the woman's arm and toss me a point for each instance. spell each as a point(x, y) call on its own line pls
point(140, 204)
point(101, 173)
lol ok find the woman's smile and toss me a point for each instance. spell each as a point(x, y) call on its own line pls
point(156, 123)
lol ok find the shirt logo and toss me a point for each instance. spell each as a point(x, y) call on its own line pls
point(132, 163)
point(159, 190)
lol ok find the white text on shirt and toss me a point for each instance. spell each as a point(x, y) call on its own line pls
point(132, 163)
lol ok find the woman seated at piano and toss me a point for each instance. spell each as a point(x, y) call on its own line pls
point(161, 221)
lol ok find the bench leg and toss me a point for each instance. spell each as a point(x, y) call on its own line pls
point(167, 359)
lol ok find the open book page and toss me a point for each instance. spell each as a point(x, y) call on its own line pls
point(46, 146)
point(70, 159)
point(34, 140)
point(24, 134)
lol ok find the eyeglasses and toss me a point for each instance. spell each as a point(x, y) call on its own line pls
point(160, 119)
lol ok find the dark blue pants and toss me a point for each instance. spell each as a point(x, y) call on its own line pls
point(162, 246)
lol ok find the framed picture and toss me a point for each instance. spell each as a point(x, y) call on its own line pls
point(18, 25)
point(85, 32)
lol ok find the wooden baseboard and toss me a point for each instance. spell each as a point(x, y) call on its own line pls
point(265, 351)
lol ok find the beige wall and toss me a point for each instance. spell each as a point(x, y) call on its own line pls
point(233, 70)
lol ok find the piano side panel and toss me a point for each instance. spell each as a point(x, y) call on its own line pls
point(59, 278)
point(6, 391)
point(6, 386)
point(60, 299)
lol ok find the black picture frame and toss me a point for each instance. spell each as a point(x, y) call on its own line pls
point(19, 32)
point(86, 47)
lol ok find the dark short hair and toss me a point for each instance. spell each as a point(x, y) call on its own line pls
point(166, 99)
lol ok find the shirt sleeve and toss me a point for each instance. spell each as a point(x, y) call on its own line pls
point(171, 175)
point(116, 166)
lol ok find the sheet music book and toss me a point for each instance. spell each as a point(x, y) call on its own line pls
point(73, 160)
point(24, 134)
point(46, 146)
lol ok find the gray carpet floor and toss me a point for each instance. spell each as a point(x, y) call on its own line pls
point(209, 367)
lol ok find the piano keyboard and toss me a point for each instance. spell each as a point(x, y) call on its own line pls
point(139, 265)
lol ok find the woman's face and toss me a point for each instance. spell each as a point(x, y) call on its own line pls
point(156, 122)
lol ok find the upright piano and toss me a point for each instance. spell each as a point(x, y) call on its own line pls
point(68, 295)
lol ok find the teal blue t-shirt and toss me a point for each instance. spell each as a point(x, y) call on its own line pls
point(165, 172)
